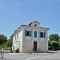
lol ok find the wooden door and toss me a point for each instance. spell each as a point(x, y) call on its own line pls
point(35, 46)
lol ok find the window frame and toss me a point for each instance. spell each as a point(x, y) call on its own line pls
point(35, 33)
point(41, 35)
point(28, 33)
point(35, 25)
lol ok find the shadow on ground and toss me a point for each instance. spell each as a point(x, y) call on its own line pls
point(52, 52)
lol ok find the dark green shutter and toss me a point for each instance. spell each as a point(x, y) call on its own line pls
point(30, 33)
point(35, 33)
point(44, 34)
point(25, 32)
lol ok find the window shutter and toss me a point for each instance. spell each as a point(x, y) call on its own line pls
point(25, 32)
point(44, 34)
point(30, 33)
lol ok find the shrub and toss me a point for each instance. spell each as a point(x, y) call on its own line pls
point(49, 45)
point(17, 50)
point(11, 50)
point(0, 48)
point(49, 48)
point(55, 45)
point(59, 45)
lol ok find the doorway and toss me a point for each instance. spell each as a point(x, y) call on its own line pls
point(35, 46)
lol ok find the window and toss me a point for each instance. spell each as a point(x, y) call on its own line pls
point(28, 33)
point(35, 33)
point(41, 34)
point(35, 25)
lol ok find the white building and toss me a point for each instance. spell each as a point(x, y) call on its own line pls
point(31, 37)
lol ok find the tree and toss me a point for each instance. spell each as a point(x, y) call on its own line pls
point(54, 37)
point(9, 42)
point(55, 45)
point(3, 39)
point(11, 37)
point(49, 45)
point(59, 43)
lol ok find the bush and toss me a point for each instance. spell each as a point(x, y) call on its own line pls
point(0, 48)
point(55, 45)
point(49, 45)
point(11, 50)
point(17, 50)
point(49, 48)
point(59, 45)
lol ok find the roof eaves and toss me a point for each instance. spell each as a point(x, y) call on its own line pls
point(44, 28)
point(19, 28)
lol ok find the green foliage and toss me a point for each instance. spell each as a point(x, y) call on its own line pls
point(11, 37)
point(49, 45)
point(55, 45)
point(3, 39)
point(9, 41)
point(54, 42)
point(0, 47)
point(17, 50)
point(59, 43)
point(54, 37)
point(4, 42)
point(3, 46)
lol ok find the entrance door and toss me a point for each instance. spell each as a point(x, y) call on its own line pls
point(35, 46)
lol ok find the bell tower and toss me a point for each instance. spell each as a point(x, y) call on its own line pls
point(34, 24)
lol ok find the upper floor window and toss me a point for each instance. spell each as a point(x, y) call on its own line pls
point(28, 33)
point(35, 33)
point(35, 25)
point(43, 34)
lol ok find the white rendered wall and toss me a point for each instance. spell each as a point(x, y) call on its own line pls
point(42, 43)
point(17, 43)
point(25, 43)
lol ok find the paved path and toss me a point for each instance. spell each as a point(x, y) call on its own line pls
point(34, 56)
point(3, 58)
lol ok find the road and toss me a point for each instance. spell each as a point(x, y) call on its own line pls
point(33, 56)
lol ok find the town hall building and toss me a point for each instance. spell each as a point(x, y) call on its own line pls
point(31, 37)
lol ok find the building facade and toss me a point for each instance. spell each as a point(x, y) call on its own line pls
point(31, 37)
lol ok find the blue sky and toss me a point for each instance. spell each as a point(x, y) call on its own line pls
point(14, 13)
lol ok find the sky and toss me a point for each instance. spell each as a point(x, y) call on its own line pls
point(14, 13)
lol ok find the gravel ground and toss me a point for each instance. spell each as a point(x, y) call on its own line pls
point(4, 59)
